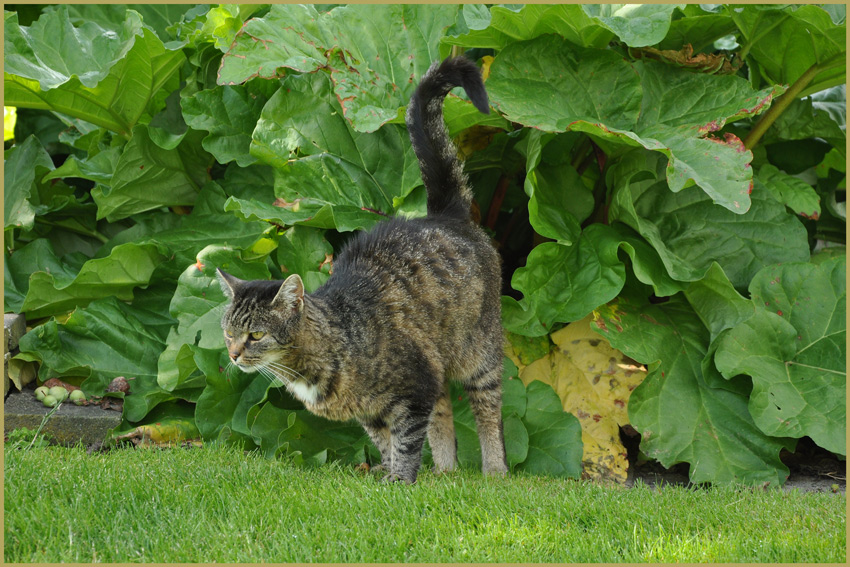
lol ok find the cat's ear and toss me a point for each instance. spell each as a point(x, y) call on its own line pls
point(290, 296)
point(228, 283)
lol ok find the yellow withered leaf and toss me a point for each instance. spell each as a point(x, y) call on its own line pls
point(164, 433)
point(594, 382)
point(486, 61)
point(475, 138)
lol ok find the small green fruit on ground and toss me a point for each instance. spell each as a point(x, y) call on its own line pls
point(40, 392)
point(59, 393)
point(49, 401)
point(77, 396)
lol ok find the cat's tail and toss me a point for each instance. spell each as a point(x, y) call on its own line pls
point(442, 171)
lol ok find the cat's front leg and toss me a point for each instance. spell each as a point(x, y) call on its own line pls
point(407, 436)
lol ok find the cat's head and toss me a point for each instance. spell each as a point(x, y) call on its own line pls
point(261, 319)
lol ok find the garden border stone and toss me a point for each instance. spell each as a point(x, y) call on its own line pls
point(69, 425)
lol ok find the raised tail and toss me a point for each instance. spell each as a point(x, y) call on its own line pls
point(442, 171)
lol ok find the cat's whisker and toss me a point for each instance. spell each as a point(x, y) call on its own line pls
point(272, 377)
point(278, 376)
point(281, 370)
point(230, 369)
point(281, 375)
point(282, 367)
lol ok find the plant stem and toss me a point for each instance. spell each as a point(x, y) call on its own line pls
point(583, 151)
point(779, 106)
point(496, 201)
point(44, 420)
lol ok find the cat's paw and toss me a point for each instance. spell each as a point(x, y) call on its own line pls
point(496, 471)
point(393, 477)
point(439, 471)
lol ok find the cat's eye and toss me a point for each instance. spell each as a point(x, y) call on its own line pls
point(228, 335)
point(257, 335)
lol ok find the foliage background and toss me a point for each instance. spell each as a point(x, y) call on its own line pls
point(661, 181)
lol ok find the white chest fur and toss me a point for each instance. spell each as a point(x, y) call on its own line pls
point(306, 393)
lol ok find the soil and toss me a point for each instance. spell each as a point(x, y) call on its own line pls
point(812, 469)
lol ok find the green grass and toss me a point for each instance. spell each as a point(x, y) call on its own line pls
point(219, 504)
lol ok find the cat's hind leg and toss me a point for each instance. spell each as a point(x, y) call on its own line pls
point(484, 391)
point(441, 434)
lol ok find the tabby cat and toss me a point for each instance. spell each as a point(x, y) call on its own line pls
point(410, 304)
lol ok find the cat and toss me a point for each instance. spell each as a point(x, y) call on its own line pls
point(410, 304)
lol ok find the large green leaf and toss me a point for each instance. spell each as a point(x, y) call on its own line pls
point(156, 16)
point(375, 53)
point(52, 285)
point(320, 215)
point(99, 167)
point(823, 115)
point(203, 241)
point(548, 84)
point(554, 436)
point(720, 307)
point(214, 25)
point(229, 114)
point(222, 408)
point(636, 25)
point(540, 437)
point(564, 283)
point(327, 175)
point(589, 25)
point(786, 43)
point(148, 177)
point(699, 27)
point(558, 201)
point(795, 349)
point(514, 406)
point(792, 192)
point(689, 232)
point(304, 251)
point(52, 51)
point(100, 76)
point(712, 430)
point(716, 301)
point(302, 436)
point(24, 166)
point(498, 26)
point(184, 236)
point(102, 341)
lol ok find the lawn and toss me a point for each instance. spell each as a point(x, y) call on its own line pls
point(220, 504)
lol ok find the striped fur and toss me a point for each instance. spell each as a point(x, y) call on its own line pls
point(442, 172)
point(410, 305)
